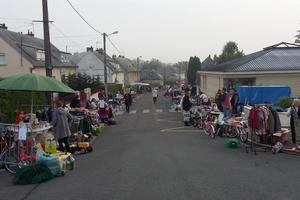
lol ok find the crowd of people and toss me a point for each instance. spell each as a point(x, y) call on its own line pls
point(225, 102)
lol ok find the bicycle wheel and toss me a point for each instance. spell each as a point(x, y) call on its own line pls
point(206, 128)
point(12, 161)
point(231, 131)
point(212, 131)
point(243, 135)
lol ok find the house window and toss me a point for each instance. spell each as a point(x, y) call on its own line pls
point(2, 59)
point(65, 58)
point(40, 55)
point(233, 83)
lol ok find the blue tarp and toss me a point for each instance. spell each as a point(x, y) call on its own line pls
point(262, 94)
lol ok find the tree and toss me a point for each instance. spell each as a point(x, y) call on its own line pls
point(230, 51)
point(297, 37)
point(193, 66)
point(78, 81)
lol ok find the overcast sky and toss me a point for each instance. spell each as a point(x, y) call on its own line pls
point(169, 30)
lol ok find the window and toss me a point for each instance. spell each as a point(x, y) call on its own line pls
point(233, 83)
point(2, 59)
point(65, 58)
point(40, 55)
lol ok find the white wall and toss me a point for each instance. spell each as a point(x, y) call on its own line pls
point(12, 61)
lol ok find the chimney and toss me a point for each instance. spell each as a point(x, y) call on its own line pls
point(3, 26)
point(29, 33)
point(90, 49)
point(100, 51)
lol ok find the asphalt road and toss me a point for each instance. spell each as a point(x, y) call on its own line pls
point(134, 160)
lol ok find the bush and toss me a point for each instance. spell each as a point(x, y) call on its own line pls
point(11, 101)
point(113, 88)
point(285, 102)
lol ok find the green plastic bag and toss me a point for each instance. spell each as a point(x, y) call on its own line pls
point(232, 143)
point(32, 174)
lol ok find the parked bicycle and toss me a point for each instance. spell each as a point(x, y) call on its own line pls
point(14, 154)
point(235, 128)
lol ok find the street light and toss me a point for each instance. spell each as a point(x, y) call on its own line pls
point(105, 67)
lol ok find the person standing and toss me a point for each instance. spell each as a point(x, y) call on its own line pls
point(154, 95)
point(128, 101)
point(218, 100)
point(294, 114)
point(75, 102)
point(186, 106)
point(61, 126)
point(225, 102)
point(103, 110)
point(234, 102)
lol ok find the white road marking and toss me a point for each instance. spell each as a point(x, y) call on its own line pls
point(132, 112)
point(146, 111)
point(159, 110)
point(119, 113)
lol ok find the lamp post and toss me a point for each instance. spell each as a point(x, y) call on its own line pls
point(104, 54)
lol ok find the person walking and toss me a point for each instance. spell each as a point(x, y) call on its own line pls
point(128, 101)
point(186, 106)
point(154, 95)
point(61, 126)
point(225, 102)
point(234, 102)
point(294, 114)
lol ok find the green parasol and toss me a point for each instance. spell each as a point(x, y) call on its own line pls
point(33, 83)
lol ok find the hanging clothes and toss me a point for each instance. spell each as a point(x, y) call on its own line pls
point(294, 113)
point(271, 123)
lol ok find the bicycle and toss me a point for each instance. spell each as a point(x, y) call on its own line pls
point(13, 154)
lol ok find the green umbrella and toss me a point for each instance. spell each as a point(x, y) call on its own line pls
point(33, 83)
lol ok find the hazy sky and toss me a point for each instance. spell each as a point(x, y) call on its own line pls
point(169, 30)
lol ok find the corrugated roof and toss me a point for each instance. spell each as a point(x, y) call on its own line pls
point(30, 45)
point(270, 59)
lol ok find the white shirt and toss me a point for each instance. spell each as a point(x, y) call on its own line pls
point(154, 93)
point(101, 104)
point(289, 113)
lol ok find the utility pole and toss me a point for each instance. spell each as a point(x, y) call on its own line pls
point(105, 61)
point(105, 67)
point(47, 46)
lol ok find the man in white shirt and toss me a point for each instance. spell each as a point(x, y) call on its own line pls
point(154, 95)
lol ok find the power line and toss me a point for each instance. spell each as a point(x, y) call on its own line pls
point(114, 46)
point(75, 36)
point(59, 30)
point(92, 26)
point(83, 18)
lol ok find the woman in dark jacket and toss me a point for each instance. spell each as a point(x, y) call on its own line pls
point(186, 103)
